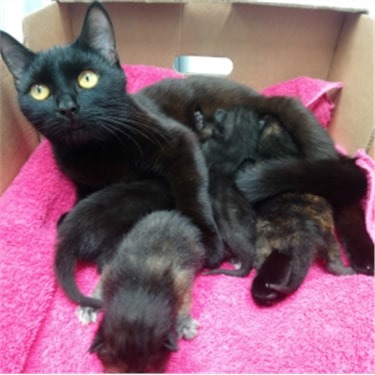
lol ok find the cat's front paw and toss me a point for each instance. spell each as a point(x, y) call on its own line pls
point(187, 327)
point(87, 315)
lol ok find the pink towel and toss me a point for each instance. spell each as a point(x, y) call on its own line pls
point(327, 326)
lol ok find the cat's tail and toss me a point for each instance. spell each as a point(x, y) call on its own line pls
point(65, 267)
point(339, 181)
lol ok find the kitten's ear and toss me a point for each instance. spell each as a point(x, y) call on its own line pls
point(16, 56)
point(220, 115)
point(97, 33)
point(223, 127)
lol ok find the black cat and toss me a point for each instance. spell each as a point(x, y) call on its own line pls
point(75, 96)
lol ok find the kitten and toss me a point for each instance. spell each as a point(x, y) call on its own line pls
point(75, 96)
point(226, 144)
point(92, 230)
point(146, 294)
point(292, 229)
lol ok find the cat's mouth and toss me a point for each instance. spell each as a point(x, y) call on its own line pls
point(75, 126)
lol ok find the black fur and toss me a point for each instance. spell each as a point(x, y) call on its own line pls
point(103, 135)
point(228, 141)
point(92, 230)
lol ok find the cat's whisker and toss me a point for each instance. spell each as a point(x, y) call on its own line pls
point(113, 130)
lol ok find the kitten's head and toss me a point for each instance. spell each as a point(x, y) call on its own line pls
point(275, 142)
point(137, 333)
point(229, 139)
point(67, 92)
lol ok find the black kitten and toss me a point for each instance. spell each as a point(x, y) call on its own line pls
point(146, 294)
point(227, 142)
point(92, 230)
point(75, 96)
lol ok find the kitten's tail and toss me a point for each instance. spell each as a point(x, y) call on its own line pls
point(340, 181)
point(65, 266)
point(243, 271)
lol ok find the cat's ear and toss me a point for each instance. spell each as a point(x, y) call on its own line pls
point(97, 33)
point(16, 56)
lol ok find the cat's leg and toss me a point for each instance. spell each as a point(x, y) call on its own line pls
point(86, 314)
point(351, 229)
point(284, 270)
point(188, 179)
point(187, 327)
point(311, 138)
point(236, 220)
point(331, 257)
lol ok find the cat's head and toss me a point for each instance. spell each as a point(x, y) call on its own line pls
point(68, 92)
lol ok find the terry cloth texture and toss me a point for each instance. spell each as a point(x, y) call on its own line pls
point(327, 326)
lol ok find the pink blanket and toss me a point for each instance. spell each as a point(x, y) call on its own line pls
point(327, 326)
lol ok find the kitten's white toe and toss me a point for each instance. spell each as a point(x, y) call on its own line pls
point(187, 328)
point(87, 315)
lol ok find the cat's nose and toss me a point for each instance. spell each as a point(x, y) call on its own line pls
point(67, 107)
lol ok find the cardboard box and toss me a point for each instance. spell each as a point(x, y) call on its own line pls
point(267, 41)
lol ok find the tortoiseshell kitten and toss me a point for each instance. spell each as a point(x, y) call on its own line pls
point(292, 229)
point(75, 96)
point(145, 290)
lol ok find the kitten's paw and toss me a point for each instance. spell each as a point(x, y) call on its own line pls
point(87, 315)
point(271, 284)
point(187, 327)
point(338, 268)
point(362, 260)
point(236, 263)
point(214, 247)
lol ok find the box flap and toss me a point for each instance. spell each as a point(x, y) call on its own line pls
point(343, 5)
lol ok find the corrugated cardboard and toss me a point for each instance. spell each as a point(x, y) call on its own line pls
point(267, 44)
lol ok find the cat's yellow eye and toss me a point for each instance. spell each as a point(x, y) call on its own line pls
point(88, 79)
point(39, 92)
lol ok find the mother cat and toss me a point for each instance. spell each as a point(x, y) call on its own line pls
point(75, 96)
